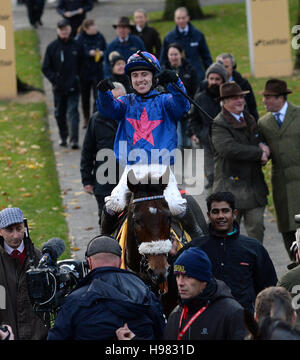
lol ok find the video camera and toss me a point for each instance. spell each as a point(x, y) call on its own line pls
point(294, 246)
point(52, 280)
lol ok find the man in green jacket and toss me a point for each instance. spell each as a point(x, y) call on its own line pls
point(16, 309)
point(283, 138)
point(238, 157)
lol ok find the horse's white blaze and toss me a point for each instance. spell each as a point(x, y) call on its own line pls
point(155, 247)
point(152, 210)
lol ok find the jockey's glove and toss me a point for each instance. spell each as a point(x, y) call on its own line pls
point(167, 76)
point(105, 85)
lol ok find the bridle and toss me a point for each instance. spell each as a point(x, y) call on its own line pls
point(144, 268)
point(147, 198)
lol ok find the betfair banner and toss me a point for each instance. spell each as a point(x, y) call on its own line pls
point(269, 38)
point(8, 82)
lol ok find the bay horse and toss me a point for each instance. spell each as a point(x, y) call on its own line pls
point(147, 237)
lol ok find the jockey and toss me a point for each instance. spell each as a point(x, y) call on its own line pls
point(146, 138)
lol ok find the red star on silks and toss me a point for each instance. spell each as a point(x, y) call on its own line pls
point(143, 127)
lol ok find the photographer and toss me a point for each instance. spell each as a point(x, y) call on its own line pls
point(15, 248)
point(107, 298)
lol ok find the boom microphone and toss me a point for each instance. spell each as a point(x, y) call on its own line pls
point(51, 251)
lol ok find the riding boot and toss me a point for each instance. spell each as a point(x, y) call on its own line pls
point(109, 222)
point(190, 224)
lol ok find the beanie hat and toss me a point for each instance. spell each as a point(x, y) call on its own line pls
point(217, 68)
point(113, 57)
point(195, 263)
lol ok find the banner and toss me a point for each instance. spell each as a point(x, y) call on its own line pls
point(8, 81)
point(269, 38)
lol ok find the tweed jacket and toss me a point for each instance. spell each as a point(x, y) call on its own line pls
point(237, 157)
point(284, 144)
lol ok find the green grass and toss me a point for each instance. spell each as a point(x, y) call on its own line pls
point(27, 164)
point(225, 29)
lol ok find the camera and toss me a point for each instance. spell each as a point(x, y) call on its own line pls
point(52, 280)
point(47, 286)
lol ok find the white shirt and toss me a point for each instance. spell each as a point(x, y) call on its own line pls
point(282, 112)
point(184, 30)
point(9, 249)
point(237, 116)
point(123, 40)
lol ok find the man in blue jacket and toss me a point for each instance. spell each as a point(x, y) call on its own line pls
point(192, 40)
point(147, 131)
point(125, 43)
point(107, 298)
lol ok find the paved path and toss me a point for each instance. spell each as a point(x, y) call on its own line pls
point(80, 208)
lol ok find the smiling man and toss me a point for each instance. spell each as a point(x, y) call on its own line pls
point(147, 126)
point(238, 157)
point(241, 262)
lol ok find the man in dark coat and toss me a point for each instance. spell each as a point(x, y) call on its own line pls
point(241, 262)
point(192, 40)
point(283, 138)
point(107, 298)
point(74, 11)
point(100, 135)
point(125, 43)
point(238, 157)
point(62, 66)
point(200, 124)
point(207, 310)
point(35, 9)
point(148, 34)
point(15, 253)
point(233, 75)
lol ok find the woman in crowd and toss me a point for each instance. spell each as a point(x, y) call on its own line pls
point(94, 45)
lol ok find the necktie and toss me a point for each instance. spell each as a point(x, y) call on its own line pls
point(15, 253)
point(277, 118)
point(241, 119)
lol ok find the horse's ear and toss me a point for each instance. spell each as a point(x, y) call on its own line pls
point(164, 179)
point(132, 181)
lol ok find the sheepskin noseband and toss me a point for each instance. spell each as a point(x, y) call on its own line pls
point(155, 247)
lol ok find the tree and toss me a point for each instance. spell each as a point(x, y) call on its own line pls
point(193, 7)
point(297, 62)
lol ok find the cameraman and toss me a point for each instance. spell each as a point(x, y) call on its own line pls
point(14, 262)
point(290, 280)
point(107, 298)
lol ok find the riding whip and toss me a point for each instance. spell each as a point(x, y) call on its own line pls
point(139, 52)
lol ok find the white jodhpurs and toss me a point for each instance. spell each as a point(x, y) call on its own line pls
point(116, 202)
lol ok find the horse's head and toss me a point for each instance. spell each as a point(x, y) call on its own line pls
point(150, 221)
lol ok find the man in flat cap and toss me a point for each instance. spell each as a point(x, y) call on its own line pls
point(125, 43)
point(280, 129)
point(16, 309)
point(106, 299)
point(238, 157)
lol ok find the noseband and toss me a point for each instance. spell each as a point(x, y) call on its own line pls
point(158, 246)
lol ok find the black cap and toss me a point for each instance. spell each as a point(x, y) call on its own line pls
point(103, 244)
point(63, 23)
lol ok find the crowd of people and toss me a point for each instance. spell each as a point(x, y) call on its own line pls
point(140, 87)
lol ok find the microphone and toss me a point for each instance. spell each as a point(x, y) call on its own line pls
point(51, 251)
